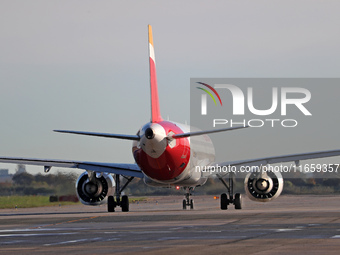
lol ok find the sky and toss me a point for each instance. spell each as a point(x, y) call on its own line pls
point(83, 65)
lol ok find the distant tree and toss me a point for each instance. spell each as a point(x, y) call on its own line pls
point(335, 182)
point(24, 179)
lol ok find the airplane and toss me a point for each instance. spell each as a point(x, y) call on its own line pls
point(165, 157)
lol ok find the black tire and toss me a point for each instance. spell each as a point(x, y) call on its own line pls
point(238, 201)
point(111, 204)
point(191, 204)
point(224, 201)
point(125, 203)
point(184, 204)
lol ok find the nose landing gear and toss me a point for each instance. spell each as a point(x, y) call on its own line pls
point(187, 201)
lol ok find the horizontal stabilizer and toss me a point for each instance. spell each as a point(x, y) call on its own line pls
point(119, 136)
point(176, 136)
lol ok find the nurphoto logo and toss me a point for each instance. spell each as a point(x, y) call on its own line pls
point(280, 99)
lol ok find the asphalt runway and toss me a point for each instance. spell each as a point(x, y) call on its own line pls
point(288, 225)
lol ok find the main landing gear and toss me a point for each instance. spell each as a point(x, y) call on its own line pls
point(123, 201)
point(187, 201)
point(225, 200)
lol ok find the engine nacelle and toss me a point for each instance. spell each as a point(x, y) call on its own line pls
point(263, 186)
point(94, 192)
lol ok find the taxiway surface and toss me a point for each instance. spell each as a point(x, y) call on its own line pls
point(288, 225)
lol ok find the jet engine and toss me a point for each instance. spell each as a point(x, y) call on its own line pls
point(263, 186)
point(94, 189)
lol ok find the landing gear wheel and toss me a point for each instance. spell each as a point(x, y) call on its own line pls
point(184, 204)
point(111, 204)
point(234, 200)
point(187, 201)
point(191, 204)
point(125, 203)
point(238, 201)
point(224, 201)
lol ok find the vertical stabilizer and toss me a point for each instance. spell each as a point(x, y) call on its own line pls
point(155, 111)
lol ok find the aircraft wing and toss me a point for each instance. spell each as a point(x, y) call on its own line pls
point(280, 159)
point(113, 168)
